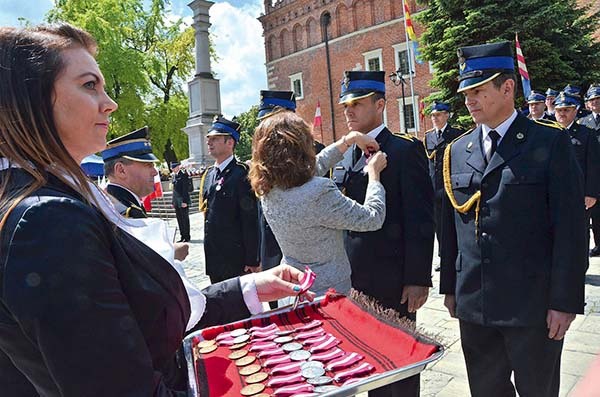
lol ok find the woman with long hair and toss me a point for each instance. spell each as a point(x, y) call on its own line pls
point(86, 308)
point(308, 214)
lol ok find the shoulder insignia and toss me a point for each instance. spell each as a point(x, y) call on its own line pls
point(404, 136)
point(462, 135)
point(243, 165)
point(549, 123)
point(582, 120)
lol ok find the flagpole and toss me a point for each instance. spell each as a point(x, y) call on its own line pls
point(410, 66)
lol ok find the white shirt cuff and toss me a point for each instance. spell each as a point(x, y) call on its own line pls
point(250, 294)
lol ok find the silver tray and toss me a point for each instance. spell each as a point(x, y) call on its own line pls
point(369, 383)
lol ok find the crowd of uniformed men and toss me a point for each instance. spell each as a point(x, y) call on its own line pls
point(511, 201)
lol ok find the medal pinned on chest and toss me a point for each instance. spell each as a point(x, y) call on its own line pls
point(219, 184)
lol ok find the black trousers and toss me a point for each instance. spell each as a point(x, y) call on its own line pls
point(183, 221)
point(437, 217)
point(409, 387)
point(493, 353)
point(595, 214)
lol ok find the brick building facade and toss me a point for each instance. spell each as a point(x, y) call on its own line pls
point(362, 35)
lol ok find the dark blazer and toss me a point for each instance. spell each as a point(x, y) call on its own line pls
point(548, 116)
point(181, 193)
point(400, 253)
point(529, 253)
point(230, 221)
point(131, 206)
point(88, 310)
point(587, 151)
point(436, 145)
point(590, 122)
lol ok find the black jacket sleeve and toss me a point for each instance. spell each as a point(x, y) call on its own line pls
point(224, 304)
point(417, 200)
point(249, 222)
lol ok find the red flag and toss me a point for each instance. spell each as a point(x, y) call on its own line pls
point(158, 192)
point(422, 111)
point(317, 122)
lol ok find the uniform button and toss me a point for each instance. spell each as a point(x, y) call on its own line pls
point(484, 235)
point(485, 210)
point(484, 185)
point(486, 260)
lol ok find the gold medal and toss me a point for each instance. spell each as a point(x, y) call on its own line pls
point(237, 354)
point(206, 343)
point(242, 362)
point(251, 390)
point(257, 377)
point(207, 349)
point(250, 369)
point(237, 346)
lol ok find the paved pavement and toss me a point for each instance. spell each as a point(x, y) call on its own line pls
point(448, 376)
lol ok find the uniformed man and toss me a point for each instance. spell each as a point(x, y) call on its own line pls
point(129, 167)
point(592, 121)
point(537, 106)
point(181, 200)
point(575, 91)
point(393, 264)
point(586, 146)
point(592, 98)
point(435, 143)
point(514, 246)
point(229, 205)
point(271, 102)
point(550, 97)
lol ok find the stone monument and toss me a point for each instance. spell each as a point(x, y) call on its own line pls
point(203, 90)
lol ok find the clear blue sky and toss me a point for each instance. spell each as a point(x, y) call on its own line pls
point(237, 37)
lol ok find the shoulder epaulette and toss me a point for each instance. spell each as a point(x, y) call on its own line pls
point(242, 164)
point(404, 136)
point(461, 135)
point(549, 123)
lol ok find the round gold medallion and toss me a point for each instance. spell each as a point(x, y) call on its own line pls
point(263, 395)
point(250, 369)
point(237, 354)
point(257, 377)
point(207, 349)
point(242, 362)
point(206, 343)
point(237, 346)
point(251, 390)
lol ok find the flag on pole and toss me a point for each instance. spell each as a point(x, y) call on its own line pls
point(158, 192)
point(523, 68)
point(317, 122)
point(411, 32)
point(422, 111)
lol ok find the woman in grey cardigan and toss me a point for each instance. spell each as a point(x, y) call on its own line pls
point(308, 214)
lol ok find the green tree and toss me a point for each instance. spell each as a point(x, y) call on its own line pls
point(555, 36)
point(145, 60)
point(248, 121)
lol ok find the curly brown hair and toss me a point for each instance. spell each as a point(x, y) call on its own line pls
point(283, 153)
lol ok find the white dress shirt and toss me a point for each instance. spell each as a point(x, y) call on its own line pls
point(501, 129)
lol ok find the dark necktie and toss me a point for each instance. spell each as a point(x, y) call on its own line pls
point(494, 136)
point(597, 119)
point(356, 155)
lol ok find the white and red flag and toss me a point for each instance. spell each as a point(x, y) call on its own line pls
point(523, 69)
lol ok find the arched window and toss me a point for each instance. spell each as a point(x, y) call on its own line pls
point(298, 38)
point(344, 25)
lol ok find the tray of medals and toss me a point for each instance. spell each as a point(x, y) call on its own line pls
point(333, 346)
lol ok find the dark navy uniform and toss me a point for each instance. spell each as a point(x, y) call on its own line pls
point(592, 121)
point(181, 195)
point(435, 144)
point(230, 221)
point(129, 206)
point(513, 243)
point(587, 151)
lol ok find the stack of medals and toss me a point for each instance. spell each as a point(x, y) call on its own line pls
point(299, 362)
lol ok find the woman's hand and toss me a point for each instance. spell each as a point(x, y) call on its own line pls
point(279, 282)
point(365, 142)
point(376, 164)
